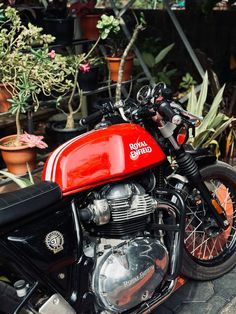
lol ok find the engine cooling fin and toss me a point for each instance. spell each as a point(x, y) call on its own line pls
point(121, 229)
point(129, 210)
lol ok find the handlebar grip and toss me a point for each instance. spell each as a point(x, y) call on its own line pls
point(167, 111)
point(91, 118)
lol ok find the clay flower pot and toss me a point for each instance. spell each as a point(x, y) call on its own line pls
point(16, 157)
point(114, 64)
point(88, 25)
point(4, 95)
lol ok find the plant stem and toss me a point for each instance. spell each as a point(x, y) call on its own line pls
point(138, 28)
point(70, 121)
point(70, 124)
point(18, 127)
point(92, 49)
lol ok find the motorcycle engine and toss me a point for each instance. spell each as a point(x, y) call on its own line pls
point(120, 209)
point(129, 264)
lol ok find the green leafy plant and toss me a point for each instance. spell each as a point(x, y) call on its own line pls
point(109, 27)
point(214, 122)
point(187, 82)
point(27, 66)
point(75, 63)
point(21, 182)
point(154, 61)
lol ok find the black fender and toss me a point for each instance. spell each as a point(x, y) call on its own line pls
point(202, 156)
point(205, 160)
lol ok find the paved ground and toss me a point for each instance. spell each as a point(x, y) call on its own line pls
point(210, 297)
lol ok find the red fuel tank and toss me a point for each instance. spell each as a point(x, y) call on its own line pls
point(100, 156)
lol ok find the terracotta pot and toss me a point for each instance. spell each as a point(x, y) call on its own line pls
point(114, 64)
point(88, 25)
point(4, 95)
point(16, 158)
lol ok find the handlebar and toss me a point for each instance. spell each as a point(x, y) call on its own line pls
point(91, 118)
point(168, 112)
point(160, 102)
point(104, 109)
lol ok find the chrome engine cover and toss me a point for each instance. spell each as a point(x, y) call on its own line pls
point(127, 274)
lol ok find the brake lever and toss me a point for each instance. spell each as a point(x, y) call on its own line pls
point(194, 119)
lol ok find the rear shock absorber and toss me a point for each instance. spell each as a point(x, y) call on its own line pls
point(190, 169)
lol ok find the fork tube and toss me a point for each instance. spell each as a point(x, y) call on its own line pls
point(190, 169)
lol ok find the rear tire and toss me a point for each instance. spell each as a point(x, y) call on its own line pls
point(208, 256)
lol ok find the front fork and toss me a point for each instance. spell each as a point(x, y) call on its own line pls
point(190, 170)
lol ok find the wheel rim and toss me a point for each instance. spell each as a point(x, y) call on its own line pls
point(204, 247)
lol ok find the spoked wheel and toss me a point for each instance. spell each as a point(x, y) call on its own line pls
point(209, 253)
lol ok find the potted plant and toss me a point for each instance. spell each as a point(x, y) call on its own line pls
point(214, 123)
point(115, 47)
point(153, 56)
point(88, 17)
point(28, 70)
point(120, 58)
point(123, 69)
point(18, 158)
point(88, 75)
point(79, 64)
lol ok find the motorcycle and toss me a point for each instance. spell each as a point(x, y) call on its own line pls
point(122, 211)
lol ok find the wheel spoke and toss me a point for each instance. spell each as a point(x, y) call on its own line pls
point(204, 244)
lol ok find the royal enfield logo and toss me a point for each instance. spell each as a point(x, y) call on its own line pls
point(139, 148)
point(141, 275)
point(54, 241)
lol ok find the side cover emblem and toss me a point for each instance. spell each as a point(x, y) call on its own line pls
point(54, 241)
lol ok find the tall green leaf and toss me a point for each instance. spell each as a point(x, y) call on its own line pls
point(202, 137)
point(22, 182)
point(219, 119)
point(219, 130)
point(213, 111)
point(202, 96)
point(149, 59)
point(195, 105)
point(161, 55)
point(192, 101)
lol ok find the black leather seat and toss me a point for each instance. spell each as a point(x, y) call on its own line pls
point(21, 203)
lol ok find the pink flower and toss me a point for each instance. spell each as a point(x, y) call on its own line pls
point(32, 140)
point(52, 54)
point(84, 67)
